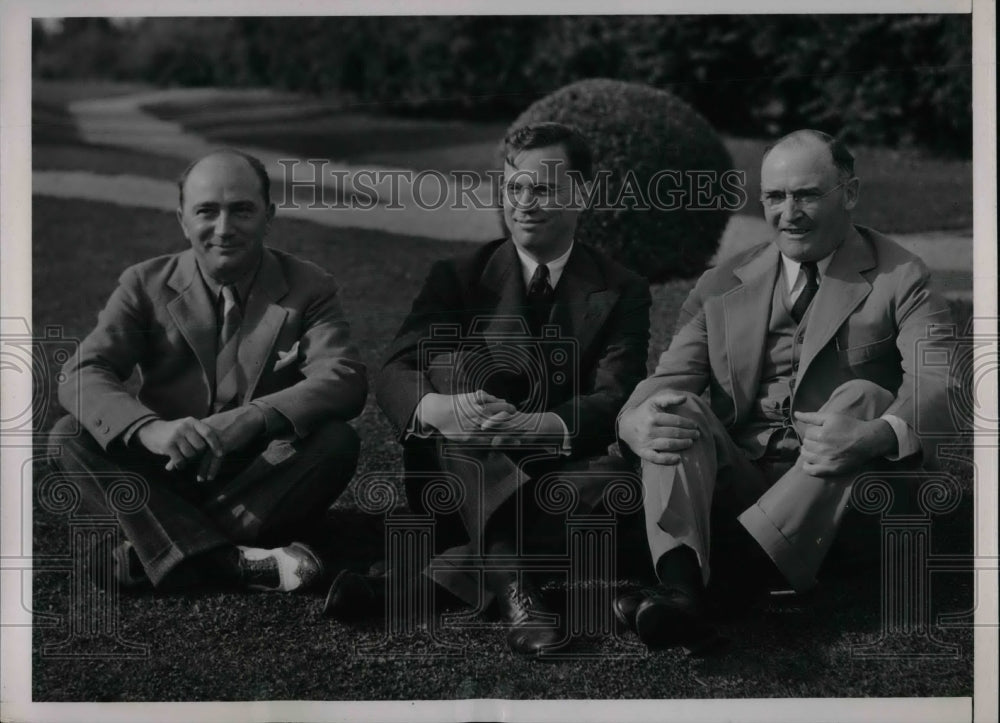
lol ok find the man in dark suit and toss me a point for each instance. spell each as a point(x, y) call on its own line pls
point(238, 434)
point(794, 366)
point(511, 367)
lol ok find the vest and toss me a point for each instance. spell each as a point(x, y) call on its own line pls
point(771, 409)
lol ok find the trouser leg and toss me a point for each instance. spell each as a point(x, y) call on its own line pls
point(509, 497)
point(796, 520)
point(266, 500)
point(678, 499)
point(282, 493)
point(168, 528)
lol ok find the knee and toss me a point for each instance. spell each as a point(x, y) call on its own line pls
point(860, 398)
point(336, 439)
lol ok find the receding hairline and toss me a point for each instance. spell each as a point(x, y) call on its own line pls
point(255, 165)
point(840, 156)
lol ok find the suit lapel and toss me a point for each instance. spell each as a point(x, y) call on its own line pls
point(582, 302)
point(501, 308)
point(262, 321)
point(841, 289)
point(193, 311)
point(747, 311)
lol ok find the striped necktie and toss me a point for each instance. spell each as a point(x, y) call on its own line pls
point(808, 292)
point(227, 368)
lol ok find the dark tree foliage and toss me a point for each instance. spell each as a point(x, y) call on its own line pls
point(877, 79)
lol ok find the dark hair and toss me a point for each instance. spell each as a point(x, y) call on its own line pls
point(541, 135)
point(255, 164)
point(842, 157)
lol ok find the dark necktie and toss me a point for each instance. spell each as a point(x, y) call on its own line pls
point(808, 292)
point(539, 298)
point(227, 368)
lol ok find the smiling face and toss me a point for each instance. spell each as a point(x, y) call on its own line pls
point(812, 229)
point(540, 204)
point(224, 216)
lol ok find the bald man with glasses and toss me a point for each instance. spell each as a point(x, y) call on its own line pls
point(793, 368)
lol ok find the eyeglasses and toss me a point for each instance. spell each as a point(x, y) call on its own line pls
point(544, 193)
point(800, 199)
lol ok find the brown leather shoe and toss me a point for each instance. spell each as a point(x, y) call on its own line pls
point(534, 630)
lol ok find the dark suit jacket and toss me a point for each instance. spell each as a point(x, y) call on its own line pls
point(295, 349)
point(871, 319)
point(601, 320)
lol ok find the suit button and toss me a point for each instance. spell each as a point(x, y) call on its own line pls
point(98, 421)
point(800, 337)
point(795, 367)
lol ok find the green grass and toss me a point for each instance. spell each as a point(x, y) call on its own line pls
point(214, 645)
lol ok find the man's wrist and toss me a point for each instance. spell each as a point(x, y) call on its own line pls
point(882, 439)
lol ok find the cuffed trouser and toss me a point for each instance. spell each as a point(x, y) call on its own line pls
point(530, 493)
point(794, 519)
point(262, 496)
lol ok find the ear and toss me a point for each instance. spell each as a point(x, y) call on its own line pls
point(180, 221)
point(851, 191)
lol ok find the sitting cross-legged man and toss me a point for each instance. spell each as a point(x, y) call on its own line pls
point(237, 439)
point(794, 367)
point(548, 338)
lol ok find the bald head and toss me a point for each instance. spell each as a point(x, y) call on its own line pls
point(839, 155)
point(225, 213)
point(231, 158)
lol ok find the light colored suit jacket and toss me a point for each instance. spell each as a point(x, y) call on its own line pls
point(295, 351)
point(873, 318)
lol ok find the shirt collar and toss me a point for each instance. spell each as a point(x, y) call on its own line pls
point(791, 269)
point(556, 266)
point(243, 284)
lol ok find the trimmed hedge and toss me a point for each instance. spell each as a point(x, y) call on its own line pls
point(636, 131)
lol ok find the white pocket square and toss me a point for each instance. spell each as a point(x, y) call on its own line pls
point(286, 358)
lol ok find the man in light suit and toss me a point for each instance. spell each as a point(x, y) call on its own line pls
point(547, 338)
point(793, 367)
point(238, 435)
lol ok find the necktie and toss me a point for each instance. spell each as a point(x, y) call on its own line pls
point(539, 298)
point(808, 292)
point(227, 368)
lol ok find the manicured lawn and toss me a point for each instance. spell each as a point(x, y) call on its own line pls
point(217, 645)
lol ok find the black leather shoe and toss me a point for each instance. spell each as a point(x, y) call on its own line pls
point(625, 607)
point(533, 629)
point(670, 616)
point(354, 597)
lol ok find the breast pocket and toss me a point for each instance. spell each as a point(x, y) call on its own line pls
point(881, 350)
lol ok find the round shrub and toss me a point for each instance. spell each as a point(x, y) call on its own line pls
point(655, 160)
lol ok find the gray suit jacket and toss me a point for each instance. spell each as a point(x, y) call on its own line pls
point(871, 319)
point(295, 352)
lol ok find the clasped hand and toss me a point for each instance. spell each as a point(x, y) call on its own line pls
point(204, 441)
point(462, 417)
point(656, 434)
